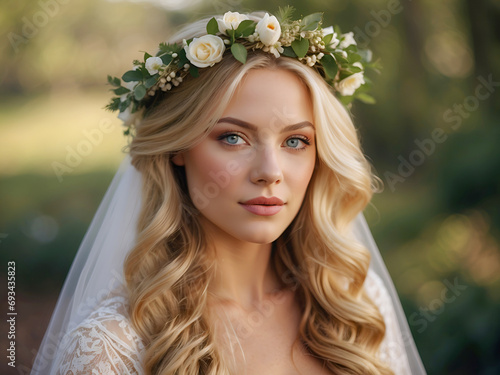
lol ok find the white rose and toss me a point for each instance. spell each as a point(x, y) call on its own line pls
point(349, 85)
point(347, 40)
point(269, 30)
point(153, 65)
point(230, 20)
point(205, 51)
point(335, 41)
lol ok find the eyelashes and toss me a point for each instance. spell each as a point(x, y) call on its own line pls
point(235, 139)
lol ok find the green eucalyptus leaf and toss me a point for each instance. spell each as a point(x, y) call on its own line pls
point(193, 70)
point(300, 47)
point(140, 92)
point(327, 39)
point(167, 58)
point(354, 57)
point(183, 60)
point(212, 26)
point(151, 81)
point(121, 91)
point(239, 52)
point(355, 69)
point(330, 66)
point(311, 22)
point(340, 59)
point(146, 56)
point(231, 33)
point(344, 73)
point(365, 98)
point(132, 75)
point(246, 28)
point(345, 100)
point(288, 51)
point(352, 48)
point(124, 105)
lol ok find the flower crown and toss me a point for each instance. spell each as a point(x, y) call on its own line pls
point(333, 54)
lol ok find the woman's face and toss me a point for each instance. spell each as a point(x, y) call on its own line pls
point(248, 177)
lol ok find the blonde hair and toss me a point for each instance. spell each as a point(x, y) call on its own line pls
point(169, 270)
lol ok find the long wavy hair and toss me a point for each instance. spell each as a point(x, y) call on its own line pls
point(169, 270)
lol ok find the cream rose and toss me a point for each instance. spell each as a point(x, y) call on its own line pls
point(230, 20)
point(205, 51)
point(347, 40)
point(269, 30)
point(349, 85)
point(153, 65)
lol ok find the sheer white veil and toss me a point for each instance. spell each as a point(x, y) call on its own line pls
point(98, 269)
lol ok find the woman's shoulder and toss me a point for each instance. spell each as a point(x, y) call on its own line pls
point(104, 343)
point(392, 350)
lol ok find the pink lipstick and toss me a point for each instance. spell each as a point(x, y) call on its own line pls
point(263, 206)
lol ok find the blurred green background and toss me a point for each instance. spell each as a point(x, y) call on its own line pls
point(432, 138)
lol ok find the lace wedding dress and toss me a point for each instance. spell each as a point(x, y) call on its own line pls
point(106, 343)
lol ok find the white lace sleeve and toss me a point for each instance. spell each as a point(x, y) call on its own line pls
point(392, 350)
point(104, 343)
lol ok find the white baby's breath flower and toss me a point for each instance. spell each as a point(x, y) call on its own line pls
point(269, 30)
point(230, 20)
point(276, 49)
point(153, 65)
point(349, 85)
point(347, 40)
point(205, 51)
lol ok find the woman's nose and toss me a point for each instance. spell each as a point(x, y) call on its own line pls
point(266, 167)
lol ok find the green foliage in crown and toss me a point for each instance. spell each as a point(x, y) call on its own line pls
point(333, 54)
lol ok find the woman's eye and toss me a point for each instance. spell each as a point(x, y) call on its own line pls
point(297, 143)
point(232, 139)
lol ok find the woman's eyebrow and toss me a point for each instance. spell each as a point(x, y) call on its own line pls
point(247, 125)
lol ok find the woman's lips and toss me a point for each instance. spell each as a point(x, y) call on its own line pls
point(263, 206)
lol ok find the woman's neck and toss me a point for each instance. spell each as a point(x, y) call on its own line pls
point(243, 273)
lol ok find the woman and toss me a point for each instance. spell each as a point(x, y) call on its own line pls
point(236, 218)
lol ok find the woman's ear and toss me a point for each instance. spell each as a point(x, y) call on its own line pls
point(178, 159)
